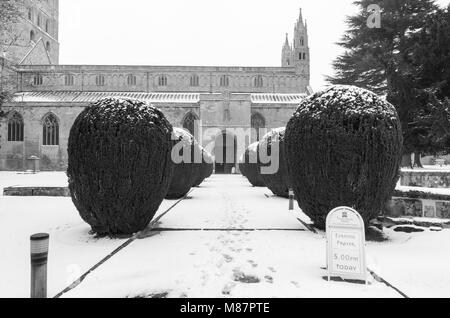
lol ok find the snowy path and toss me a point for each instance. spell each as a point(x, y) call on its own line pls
point(228, 258)
point(227, 240)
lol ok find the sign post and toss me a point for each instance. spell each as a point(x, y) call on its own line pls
point(346, 252)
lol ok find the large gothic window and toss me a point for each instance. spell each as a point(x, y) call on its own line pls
point(189, 123)
point(302, 41)
point(50, 131)
point(15, 127)
point(258, 123)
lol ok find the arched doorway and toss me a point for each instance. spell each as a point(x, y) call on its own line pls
point(225, 152)
point(258, 124)
point(190, 123)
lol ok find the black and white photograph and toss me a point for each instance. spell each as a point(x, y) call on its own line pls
point(240, 151)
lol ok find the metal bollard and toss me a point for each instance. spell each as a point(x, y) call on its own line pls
point(39, 244)
point(291, 200)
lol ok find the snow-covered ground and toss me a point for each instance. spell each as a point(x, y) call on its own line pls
point(27, 179)
point(429, 168)
point(227, 240)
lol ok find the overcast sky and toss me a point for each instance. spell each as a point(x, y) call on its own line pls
point(199, 32)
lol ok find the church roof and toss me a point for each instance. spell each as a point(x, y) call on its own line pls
point(187, 98)
point(277, 98)
point(88, 97)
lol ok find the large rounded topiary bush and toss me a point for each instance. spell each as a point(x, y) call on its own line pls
point(119, 164)
point(273, 168)
point(185, 170)
point(205, 169)
point(249, 167)
point(343, 148)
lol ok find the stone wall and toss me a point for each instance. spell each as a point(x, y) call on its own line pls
point(425, 179)
point(240, 79)
point(413, 207)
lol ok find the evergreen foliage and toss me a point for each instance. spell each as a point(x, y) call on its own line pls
point(343, 148)
point(119, 164)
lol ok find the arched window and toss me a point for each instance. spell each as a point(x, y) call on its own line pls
point(302, 41)
point(258, 81)
point(258, 123)
point(300, 56)
point(131, 80)
point(194, 82)
point(38, 80)
point(162, 80)
point(47, 46)
point(32, 36)
point(47, 26)
point(69, 80)
point(304, 56)
point(100, 80)
point(189, 122)
point(30, 14)
point(50, 133)
point(39, 20)
point(224, 81)
point(15, 127)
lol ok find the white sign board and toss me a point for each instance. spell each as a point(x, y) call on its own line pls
point(346, 253)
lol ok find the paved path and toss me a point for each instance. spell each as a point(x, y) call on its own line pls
point(227, 240)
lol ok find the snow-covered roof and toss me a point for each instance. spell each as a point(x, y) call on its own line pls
point(277, 98)
point(88, 97)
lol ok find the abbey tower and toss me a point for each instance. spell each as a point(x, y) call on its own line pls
point(297, 55)
point(33, 40)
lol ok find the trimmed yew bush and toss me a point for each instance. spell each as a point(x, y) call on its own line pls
point(277, 179)
point(343, 148)
point(119, 164)
point(206, 168)
point(186, 170)
point(249, 167)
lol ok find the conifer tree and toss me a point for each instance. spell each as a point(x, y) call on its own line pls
point(405, 59)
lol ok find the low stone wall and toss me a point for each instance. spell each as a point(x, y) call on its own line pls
point(37, 191)
point(418, 204)
point(425, 179)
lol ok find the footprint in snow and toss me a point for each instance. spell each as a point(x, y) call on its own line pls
point(241, 277)
point(254, 265)
point(228, 258)
point(228, 288)
point(269, 279)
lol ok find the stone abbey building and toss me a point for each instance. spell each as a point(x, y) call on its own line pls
point(49, 96)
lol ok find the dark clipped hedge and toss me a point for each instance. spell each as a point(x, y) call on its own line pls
point(185, 172)
point(343, 148)
point(278, 180)
point(205, 169)
point(249, 167)
point(119, 164)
